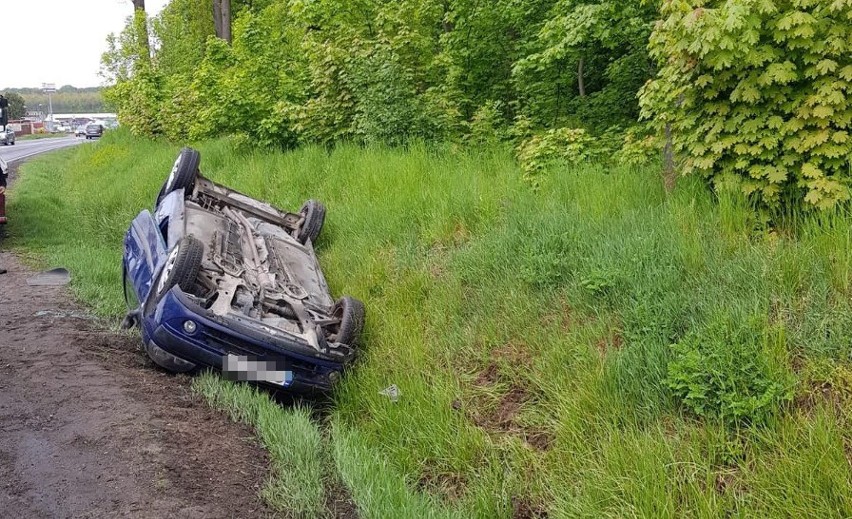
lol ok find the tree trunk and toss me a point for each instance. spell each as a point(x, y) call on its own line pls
point(139, 10)
point(222, 19)
point(581, 84)
point(669, 174)
point(447, 25)
point(226, 20)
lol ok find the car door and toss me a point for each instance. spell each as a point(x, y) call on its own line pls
point(144, 251)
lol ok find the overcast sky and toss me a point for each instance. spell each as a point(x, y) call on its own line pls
point(59, 41)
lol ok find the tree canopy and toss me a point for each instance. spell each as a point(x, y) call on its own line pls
point(750, 93)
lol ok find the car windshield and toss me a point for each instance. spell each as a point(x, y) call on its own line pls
point(92, 127)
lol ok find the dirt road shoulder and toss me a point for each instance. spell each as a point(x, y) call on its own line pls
point(89, 429)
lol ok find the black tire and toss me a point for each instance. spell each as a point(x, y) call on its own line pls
point(313, 213)
point(181, 269)
point(351, 315)
point(183, 174)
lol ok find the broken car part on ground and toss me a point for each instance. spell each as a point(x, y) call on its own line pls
point(217, 279)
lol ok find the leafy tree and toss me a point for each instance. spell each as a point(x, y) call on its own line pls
point(17, 108)
point(589, 60)
point(756, 94)
point(137, 91)
point(373, 71)
point(181, 31)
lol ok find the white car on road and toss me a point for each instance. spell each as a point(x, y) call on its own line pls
point(7, 137)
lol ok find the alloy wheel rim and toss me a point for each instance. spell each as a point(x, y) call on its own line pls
point(167, 269)
point(170, 182)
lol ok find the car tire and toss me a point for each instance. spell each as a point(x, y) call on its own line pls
point(166, 360)
point(183, 174)
point(313, 215)
point(182, 266)
point(351, 315)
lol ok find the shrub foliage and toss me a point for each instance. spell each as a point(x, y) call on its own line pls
point(756, 93)
point(324, 71)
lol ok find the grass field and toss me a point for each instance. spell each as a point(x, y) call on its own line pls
point(593, 349)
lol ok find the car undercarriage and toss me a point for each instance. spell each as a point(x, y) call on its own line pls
point(254, 268)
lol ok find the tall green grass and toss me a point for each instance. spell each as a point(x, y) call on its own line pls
point(594, 348)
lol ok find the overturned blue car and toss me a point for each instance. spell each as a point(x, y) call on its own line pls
point(216, 279)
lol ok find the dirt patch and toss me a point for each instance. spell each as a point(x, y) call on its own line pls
point(339, 502)
point(821, 395)
point(826, 385)
point(540, 439)
point(497, 397)
point(523, 508)
point(563, 318)
point(88, 428)
point(726, 481)
point(449, 485)
point(513, 353)
point(488, 376)
point(508, 408)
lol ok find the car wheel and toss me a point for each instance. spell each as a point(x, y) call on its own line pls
point(166, 360)
point(349, 314)
point(183, 174)
point(181, 268)
point(313, 218)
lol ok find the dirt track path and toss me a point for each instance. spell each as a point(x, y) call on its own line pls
point(88, 428)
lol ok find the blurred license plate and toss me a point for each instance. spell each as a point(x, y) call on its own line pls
point(248, 369)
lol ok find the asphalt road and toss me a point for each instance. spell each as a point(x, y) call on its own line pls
point(25, 149)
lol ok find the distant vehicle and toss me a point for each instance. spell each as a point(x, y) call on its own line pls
point(94, 131)
point(81, 131)
point(7, 137)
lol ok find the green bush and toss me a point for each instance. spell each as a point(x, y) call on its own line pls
point(731, 370)
point(756, 94)
point(566, 145)
point(301, 71)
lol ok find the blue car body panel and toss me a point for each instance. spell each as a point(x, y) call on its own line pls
point(144, 253)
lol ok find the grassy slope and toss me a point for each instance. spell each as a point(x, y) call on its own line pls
point(529, 333)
